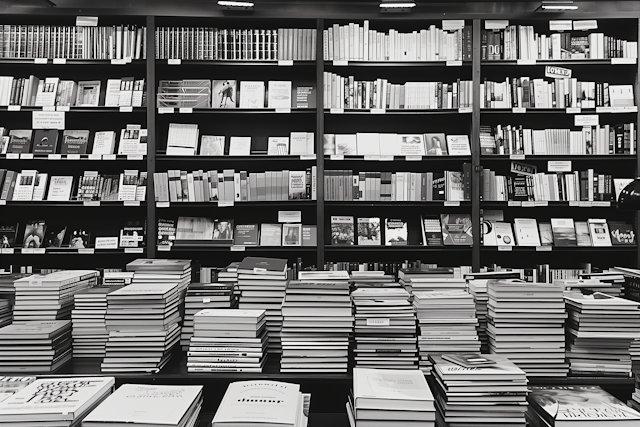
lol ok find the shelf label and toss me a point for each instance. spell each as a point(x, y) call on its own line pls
point(73, 156)
point(163, 204)
point(514, 203)
point(3, 202)
point(561, 25)
point(413, 158)
point(336, 157)
point(106, 243)
point(86, 251)
point(40, 60)
point(378, 111)
point(185, 110)
point(528, 204)
point(559, 166)
point(226, 204)
point(48, 108)
point(14, 108)
point(54, 157)
point(133, 250)
point(108, 157)
point(206, 300)
point(60, 61)
point(238, 248)
point(543, 203)
point(86, 21)
point(544, 248)
point(526, 62)
point(465, 110)
point(574, 203)
point(452, 24)
point(371, 158)
point(14, 156)
point(496, 24)
point(452, 63)
point(307, 156)
point(337, 111)
point(518, 110)
point(378, 321)
point(574, 110)
point(174, 61)
point(164, 248)
point(449, 203)
point(95, 156)
point(7, 251)
point(340, 63)
point(34, 251)
point(290, 216)
point(64, 108)
point(620, 61)
point(601, 204)
point(126, 109)
point(285, 63)
point(516, 156)
point(587, 120)
point(585, 25)
point(118, 62)
point(91, 203)
point(131, 203)
point(505, 248)
point(135, 157)
point(283, 110)
point(385, 158)
point(48, 120)
point(557, 72)
point(26, 156)
point(585, 204)
point(165, 110)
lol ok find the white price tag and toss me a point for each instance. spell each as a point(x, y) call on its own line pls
point(3, 202)
point(40, 60)
point(14, 156)
point(60, 61)
point(135, 157)
point(413, 158)
point(544, 248)
point(48, 108)
point(260, 271)
point(385, 159)
point(86, 251)
point(585, 204)
point(290, 216)
point(108, 157)
point(541, 203)
point(528, 204)
point(14, 108)
point(505, 248)
point(372, 158)
point(48, 120)
point(451, 203)
point(526, 62)
point(559, 165)
point(174, 61)
point(378, 111)
point(452, 24)
point(574, 203)
point(336, 157)
point(238, 248)
point(95, 156)
point(516, 156)
point(164, 248)
point(337, 111)
point(452, 63)
point(561, 25)
point(285, 63)
point(555, 72)
point(64, 108)
point(496, 24)
point(378, 321)
point(340, 63)
point(91, 203)
point(26, 251)
point(106, 243)
point(118, 62)
point(26, 156)
point(307, 156)
point(86, 21)
point(163, 204)
point(620, 61)
point(39, 251)
point(126, 109)
point(7, 251)
point(518, 110)
point(54, 156)
point(165, 110)
point(185, 110)
point(574, 110)
point(601, 204)
point(283, 110)
point(514, 203)
point(133, 250)
point(465, 110)
point(585, 25)
point(131, 203)
point(226, 204)
point(73, 156)
point(587, 120)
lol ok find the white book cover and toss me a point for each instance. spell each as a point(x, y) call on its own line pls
point(458, 145)
point(143, 289)
point(368, 144)
point(104, 142)
point(299, 144)
point(182, 139)
point(212, 145)
point(621, 95)
point(599, 231)
point(297, 185)
point(47, 91)
point(215, 313)
point(259, 402)
point(128, 185)
point(412, 145)
point(240, 146)
point(145, 404)
point(346, 144)
point(278, 146)
point(526, 231)
point(55, 399)
point(130, 140)
point(25, 184)
point(251, 94)
point(369, 231)
point(60, 188)
point(40, 186)
point(371, 385)
point(112, 95)
point(291, 234)
point(389, 144)
point(88, 94)
point(279, 95)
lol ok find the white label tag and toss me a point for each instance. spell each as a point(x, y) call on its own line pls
point(505, 248)
point(118, 62)
point(591, 24)
point(40, 60)
point(108, 157)
point(164, 248)
point(7, 251)
point(372, 158)
point(465, 110)
point(174, 61)
point(378, 111)
point(26, 156)
point(559, 165)
point(340, 63)
point(283, 110)
point(290, 216)
point(452, 63)
point(3, 202)
point(601, 204)
point(496, 24)
point(585, 204)
point(185, 110)
point(413, 158)
point(54, 156)
point(73, 156)
point(86, 251)
point(620, 61)
point(48, 120)
point(60, 61)
point(337, 157)
point(95, 156)
point(541, 203)
point(14, 108)
point(519, 110)
point(514, 203)
point(561, 25)
point(378, 321)
point(91, 202)
point(86, 21)
point(526, 62)
point(307, 156)
point(528, 204)
point(452, 24)
point(238, 248)
point(106, 243)
point(49, 108)
point(131, 203)
point(337, 111)
point(135, 157)
point(587, 120)
point(574, 203)
point(64, 108)
point(574, 110)
point(260, 271)
point(225, 204)
point(166, 110)
point(544, 248)
point(516, 156)
point(285, 63)
point(385, 159)
point(15, 156)
point(451, 203)
point(126, 109)
point(133, 250)
point(163, 204)
point(557, 72)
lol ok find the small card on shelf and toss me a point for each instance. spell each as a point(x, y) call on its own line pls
point(336, 111)
point(118, 62)
point(86, 251)
point(131, 203)
point(7, 251)
point(452, 63)
point(26, 156)
point(95, 156)
point(378, 111)
point(238, 248)
point(73, 156)
point(518, 110)
point(63, 108)
point(601, 204)
point(451, 203)
point(544, 248)
point(163, 204)
point(226, 204)
point(133, 250)
point(336, 157)
point(135, 157)
point(620, 61)
point(14, 108)
point(413, 158)
point(40, 60)
point(574, 203)
point(340, 63)
point(283, 110)
point(54, 156)
point(174, 61)
point(514, 203)
point(505, 248)
point(285, 63)
point(166, 110)
point(541, 203)
point(91, 203)
point(574, 110)
point(307, 156)
point(164, 248)
point(108, 157)
point(465, 110)
point(528, 204)
point(516, 156)
point(126, 109)
point(585, 204)
point(185, 110)
point(526, 62)
point(13, 156)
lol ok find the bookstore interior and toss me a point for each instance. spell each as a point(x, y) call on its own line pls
point(448, 225)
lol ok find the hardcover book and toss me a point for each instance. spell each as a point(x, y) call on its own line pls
point(497, 233)
point(223, 230)
point(304, 95)
point(458, 145)
point(246, 235)
point(279, 94)
point(431, 231)
point(240, 146)
point(456, 229)
point(79, 238)
point(8, 235)
point(20, 141)
point(60, 188)
point(45, 141)
point(622, 233)
point(88, 94)
point(526, 231)
point(546, 234)
point(436, 144)
point(224, 94)
point(346, 145)
point(395, 232)
point(291, 234)
point(309, 235)
point(74, 142)
point(412, 145)
point(212, 145)
point(251, 94)
point(369, 231)
point(391, 389)
point(278, 146)
point(599, 231)
point(564, 232)
point(583, 238)
point(104, 142)
point(297, 185)
point(342, 230)
point(34, 234)
point(270, 234)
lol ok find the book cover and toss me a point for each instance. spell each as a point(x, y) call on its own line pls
point(622, 233)
point(329, 145)
point(88, 94)
point(583, 238)
point(309, 235)
point(346, 145)
point(74, 142)
point(503, 234)
point(297, 185)
point(526, 232)
point(104, 142)
point(395, 232)
point(45, 141)
point(263, 266)
point(25, 184)
point(278, 146)
point(303, 94)
point(458, 145)
point(60, 188)
point(599, 231)
point(279, 94)
point(369, 232)
point(436, 144)
point(20, 141)
point(79, 238)
point(291, 234)
point(342, 230)
point(391, 389)
point(251, 94)
point(564, 232)
point(546, 234)
point(240, 146)
point(8, 235)
point(224, 94)
point(456, 229)
point(412, 145)
point(211, 145)
point(270, 234)
point(34, 234)
point(40, 185)
point(245, 235)
point(431, 231)
point(223, 230)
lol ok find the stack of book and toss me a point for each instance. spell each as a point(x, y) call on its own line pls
point(385, 330)
point(174, 271)
point(438, 279)
point(61, 402)
point(447, 322)
point(577, 405)
point(262, 282)
point(371, 278)
point(484, 389)
point(600, 330)
point(203, 296)
point(143, 324)
point(35, 346)
point(316, 327)
point(89, 332)
point(526, 325)
point(134, 405)
point(50, 296)
point(386, 397)
point(262, 403)
point(228, 341)
point(6, 313)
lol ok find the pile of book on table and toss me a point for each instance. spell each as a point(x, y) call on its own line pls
point(385, 328)
point(262, 283)
point(50, 296)
point(134, 405)
point(143, 324)
point(600, 330)
point(434, 279)
point(578, 406)
point(174, 271)
point(389, 397)
point(263, 403)
point(317, 323)
point(447, 323)
point(204, 296)
point(11, 385)
point(526, 325)
point(634, 402)
point(89, 329)
point(479, 389)
point(228, 341)
point(35, 347)
point(55, 401)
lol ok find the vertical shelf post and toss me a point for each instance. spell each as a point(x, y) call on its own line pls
point(475, 147)
point(320, 145)
point(152, 224)
point(637, 122)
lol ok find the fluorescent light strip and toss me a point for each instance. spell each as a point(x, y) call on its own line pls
point(396, 5)
point(235, 3)
point(558, 7)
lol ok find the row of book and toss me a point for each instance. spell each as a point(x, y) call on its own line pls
point(554, 187)
point(133, 141)
point(345, 185)
point(597, 140)
point(559, 232)
point(231, 186)
point(55, 234)
point(241, 44)
point(124, 42)
point(30, 185)
point(525, 92)
point(355, 42)
point(522, 42)
point(347, 93)
point(383, 144)
point(33, 91)
point(194, 93)
point(182, 140)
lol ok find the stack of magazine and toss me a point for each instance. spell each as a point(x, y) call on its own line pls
point(447, 322)
point(385, 330)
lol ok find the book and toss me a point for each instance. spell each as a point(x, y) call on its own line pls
point(20, 141)
point(291, 234)
point(391, 389)
point(456, 229)
point(223, 230)
point(245, 235)
point(240, 146)
point(79, 238)
point(301, 143)
point(211, 145)
point(263, 266)
point(346, 145)
point(564, 232)
point(499, 234)
point(34, 234)
point(182, 139)
point(583, 238)
point(60, 188)
point(342, 230)
point(412, 145)
point(223, 93)
point(309, 235)
point(436, 144)
point(88, 94)
point(104, 142)
point(74, 142)
point(303, 94)
point(395, 232)
point(546, 234)
point(45, 141)
point(297, 185)
point(270, 234)
point(278, 146)
point(458, 145)
point(622, 233)
point(251, 94)
point(8, 235)
point(25, 184)
point(431, 231)
point(279, 94)
point(112, 93)
point(599, 232)
point(55, 236)
point(526, 232)
point(369, 232)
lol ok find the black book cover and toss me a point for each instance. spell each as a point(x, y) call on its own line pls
point(45, 141)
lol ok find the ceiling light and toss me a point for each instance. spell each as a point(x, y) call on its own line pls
point(557, 6)
point(396, 6)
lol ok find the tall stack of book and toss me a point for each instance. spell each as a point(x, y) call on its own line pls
point(226, 275)
point(50, 296)
point(35, 346)
point(600, 330)
point(204, 296)
point(390, 397)
point(133, 405)
point(483, 389)
point(143, 324)
point(438, 279)
point(6, 313)
point(56, 401)
point(88, 320)
point(526, 325)
point(447, 322)
point(385, 329)
point(174, 271)
point(228, 341)
point(262, 283)
point(316, 327)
